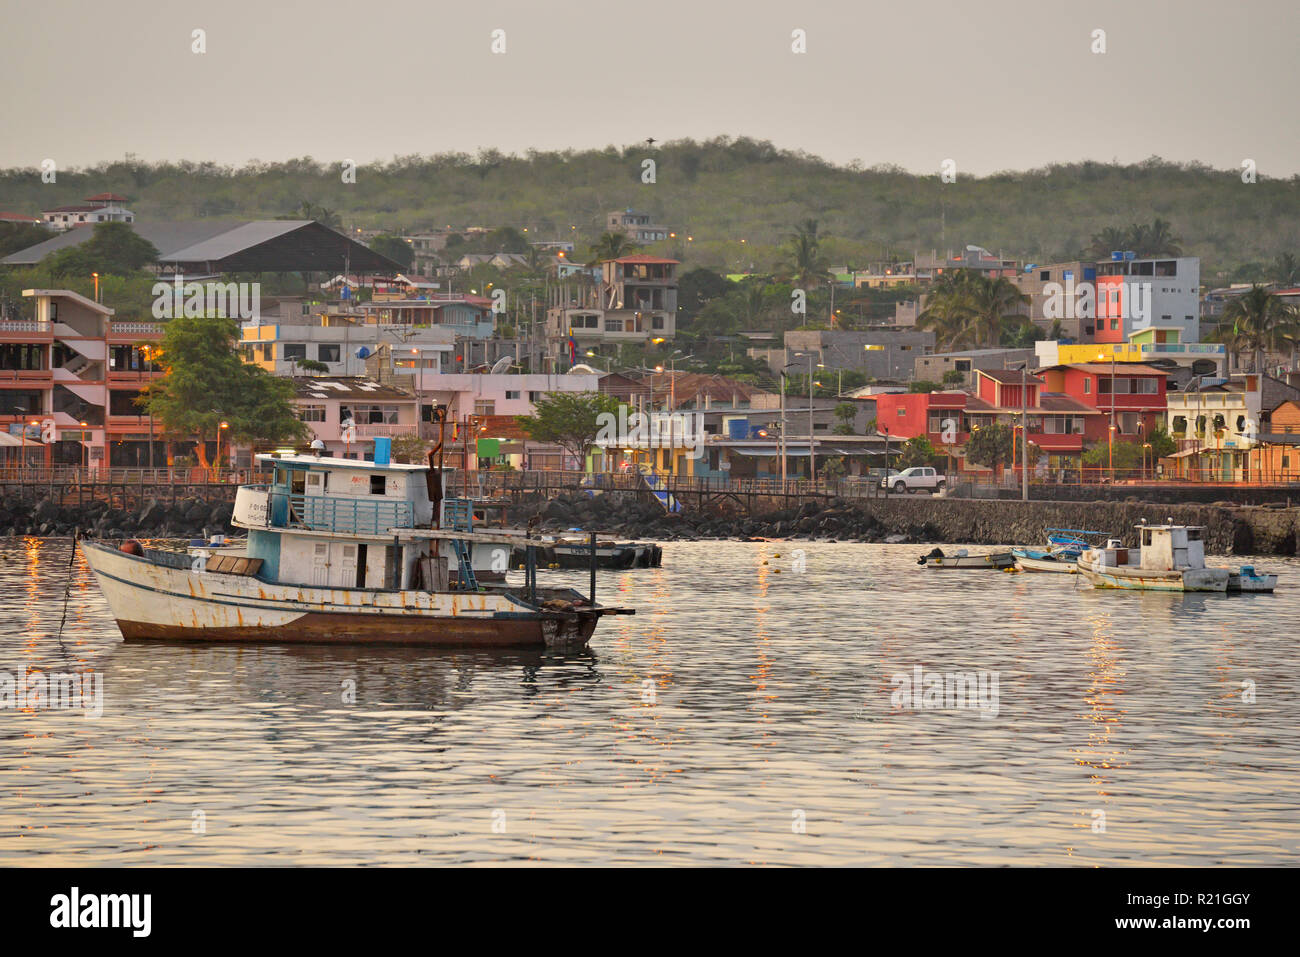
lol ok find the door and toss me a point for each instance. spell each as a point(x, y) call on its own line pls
point(320, 565)
point(348, 567)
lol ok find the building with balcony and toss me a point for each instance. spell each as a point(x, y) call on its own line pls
point(1132, 393)
point(636, 226)
point(1223, 425)
point(70, 375)
point(346, 346)
point(1058, 424)
point(634, 301)
point(1160, 346)
point(347, 413)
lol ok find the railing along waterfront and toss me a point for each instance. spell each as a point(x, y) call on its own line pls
point(70, 474)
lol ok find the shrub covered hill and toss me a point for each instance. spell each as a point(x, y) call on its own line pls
point(719, 192)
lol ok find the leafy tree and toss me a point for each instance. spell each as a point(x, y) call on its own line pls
point(113, 248)
point(395, 248)
point(410, 449)
point(570, 420)
point(16, 236)
point(204, 383)
point(995, 446)
point(846, 412)
point(954, 377)
point(310, 365)
point(699, 286)
point(917, 451)
point(923, 385)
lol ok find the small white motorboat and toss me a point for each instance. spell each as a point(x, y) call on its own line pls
point(1044, 560)
point(1246, 578)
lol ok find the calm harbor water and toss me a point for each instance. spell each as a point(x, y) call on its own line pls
point(744, 715)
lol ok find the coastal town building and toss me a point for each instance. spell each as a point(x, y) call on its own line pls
point(634, 301)
point(1229, 429)
point(70, 377)
point(636, 226)
point(100, 208)
point(879, 353)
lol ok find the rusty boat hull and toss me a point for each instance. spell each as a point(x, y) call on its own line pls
point(170, 601)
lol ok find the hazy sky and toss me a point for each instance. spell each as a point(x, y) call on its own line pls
point(1002, 84)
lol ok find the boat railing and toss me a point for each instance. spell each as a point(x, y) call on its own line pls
point(321, 513)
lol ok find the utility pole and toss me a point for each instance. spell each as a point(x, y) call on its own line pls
point(812, 448)
point(1024, 431)
point(783, 466)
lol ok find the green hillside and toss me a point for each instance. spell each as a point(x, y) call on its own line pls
point(720, 192)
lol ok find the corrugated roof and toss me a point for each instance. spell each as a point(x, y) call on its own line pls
point(232, 241)
point(345, 387)
point(165, 236)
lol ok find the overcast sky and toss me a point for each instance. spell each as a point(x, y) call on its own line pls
point(1002, 84)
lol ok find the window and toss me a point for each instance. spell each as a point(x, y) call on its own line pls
point(485, 407)
point(328, 353)
point(374, 415)
point(377, 485)
point(512, 393)
point(294, 350)
point(656, 322)
point(311, 413)
point(1087, 386)
point(534, 396)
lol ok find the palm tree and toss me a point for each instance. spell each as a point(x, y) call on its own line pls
point(805, 263)
point(994, 304)
point(965, 308)
point(611, 246)
point(1261, 322)
point(1286, 270)
point(1110, 238)
point(1160, 240)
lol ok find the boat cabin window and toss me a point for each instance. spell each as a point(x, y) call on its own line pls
point(297, 482)
point(1193, 534)
point(377, 485)
point(281, 476)
point(316, 482)
point(1146, 538)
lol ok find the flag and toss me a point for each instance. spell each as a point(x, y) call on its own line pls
point(573, 351)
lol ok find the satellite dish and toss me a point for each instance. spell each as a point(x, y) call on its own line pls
point(363, 353)
point(502, 364)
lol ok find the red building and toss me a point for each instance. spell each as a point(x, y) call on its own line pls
point(1058, 423)
point(1134, 393)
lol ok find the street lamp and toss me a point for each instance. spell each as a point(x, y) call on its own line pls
point(85, 449)
point(1111, 433)
point(217, 462)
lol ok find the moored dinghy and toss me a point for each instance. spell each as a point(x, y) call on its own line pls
point(997, 561)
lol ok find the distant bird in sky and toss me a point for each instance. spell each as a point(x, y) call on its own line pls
point(650, 141)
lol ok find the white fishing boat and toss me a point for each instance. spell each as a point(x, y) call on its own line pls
point(1170, 558)
point(345, 551)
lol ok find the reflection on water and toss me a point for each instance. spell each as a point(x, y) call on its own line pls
point(743, 715)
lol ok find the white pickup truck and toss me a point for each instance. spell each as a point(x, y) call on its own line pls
point(920, 478)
